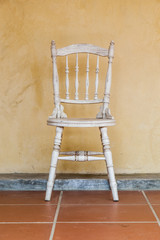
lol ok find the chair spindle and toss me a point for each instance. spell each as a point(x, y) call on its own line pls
point(76, 81)
point(96, 82)
point(67, 78)
point(87, 77)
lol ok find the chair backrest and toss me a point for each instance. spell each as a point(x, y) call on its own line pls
point(87, 49)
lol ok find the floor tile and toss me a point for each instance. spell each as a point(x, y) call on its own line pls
point(103, 213)
point(157, 210)
point(27, 213)
point(153, 196)
point(25, 231)
point(27, 197)
point(102, 197)
point(103, 231)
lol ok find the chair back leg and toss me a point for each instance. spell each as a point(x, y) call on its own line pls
point(54, 160)
point(109, 163)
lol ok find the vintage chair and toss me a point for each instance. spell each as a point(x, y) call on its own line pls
point(102, 120)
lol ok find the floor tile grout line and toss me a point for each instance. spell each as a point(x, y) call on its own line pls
point(26, 222)
point(2, 223)
point(28, 204)
point(79, 204)
point(153, 211)
point(157, 204)
point(113, 222)
point(82, 204)
point(56, 216)
point(105, 204)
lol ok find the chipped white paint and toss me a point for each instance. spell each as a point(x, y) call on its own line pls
point(81, 156)
point(76, 81)
point(58, 110)
point(82, 48)
point(54, 159)
point(105, 111)
point(67, 79)
point(87, 77)
point(103, 120)
point(89, 153)
point(81, 101)
point(109, 162)
point(80, 122)
point(96, 82)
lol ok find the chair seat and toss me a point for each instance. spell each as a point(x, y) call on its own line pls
point(80, 122)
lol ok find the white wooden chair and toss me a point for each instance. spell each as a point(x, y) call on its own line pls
point(102, 120)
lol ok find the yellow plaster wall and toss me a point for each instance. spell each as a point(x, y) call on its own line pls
point(26, 30)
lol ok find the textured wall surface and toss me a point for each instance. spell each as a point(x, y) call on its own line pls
point(27, 28)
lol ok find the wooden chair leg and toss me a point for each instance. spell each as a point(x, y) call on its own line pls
point(54, 160)
point(109, 163)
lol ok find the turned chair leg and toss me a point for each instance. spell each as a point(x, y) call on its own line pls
point(54, 160)
point(109, 163)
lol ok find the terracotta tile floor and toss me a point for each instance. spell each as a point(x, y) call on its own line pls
point(80, 215)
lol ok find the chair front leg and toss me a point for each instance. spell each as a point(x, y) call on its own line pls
point(54, 160)
point(109, 163)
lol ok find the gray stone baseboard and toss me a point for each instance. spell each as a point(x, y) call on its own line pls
point(37, 182)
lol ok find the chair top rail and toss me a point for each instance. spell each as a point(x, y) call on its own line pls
point(81, 101)
point(82, 48)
